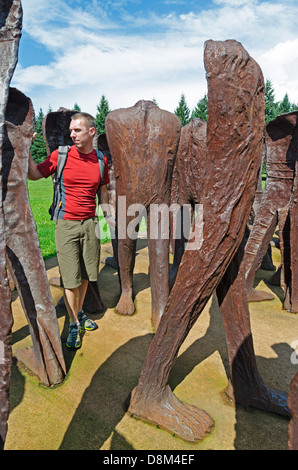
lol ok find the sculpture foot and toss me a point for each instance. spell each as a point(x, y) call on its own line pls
point(27, 357)
point(261, 397)
point(254, 295)
point(125, 305)
point(181, 419)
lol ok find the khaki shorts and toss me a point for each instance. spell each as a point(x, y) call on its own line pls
point(78, 251)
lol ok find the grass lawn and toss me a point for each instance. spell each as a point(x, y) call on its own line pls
point(41, 195)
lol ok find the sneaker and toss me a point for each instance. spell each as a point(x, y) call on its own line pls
point(86, 323)
point(74, 339)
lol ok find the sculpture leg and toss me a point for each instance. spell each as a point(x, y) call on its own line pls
point(159, 275)
point(126, 260)
point(293, 425)
point(248, 388)
point(153, 399)
point(6, 322)
point(261, 234)
point(256, 248)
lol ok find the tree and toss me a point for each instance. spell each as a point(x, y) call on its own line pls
point(102, 111)
point(182, 111)
point(200, 111)
point(77, 108)
point(271, 108)
point(38, 147)
point(284, 106)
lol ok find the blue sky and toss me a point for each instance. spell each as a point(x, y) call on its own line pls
point(76, 51)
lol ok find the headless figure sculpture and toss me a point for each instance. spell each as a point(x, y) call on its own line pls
point(23, 255)
point(20, 249)
point(290, 252)
point(234, 149)
point(143, 142)
point(293, 296)
point(10, 32)
point(281, 149)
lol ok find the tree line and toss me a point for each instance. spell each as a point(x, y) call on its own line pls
point(272, 110)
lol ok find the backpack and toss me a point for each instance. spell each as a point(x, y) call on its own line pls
point(57, 197)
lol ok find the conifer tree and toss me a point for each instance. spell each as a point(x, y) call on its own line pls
point(182, 111)
point(77, 108)
point(200, 111)
point(102, 112)
point(38, 147)
point(271, 108)
point(284, 106)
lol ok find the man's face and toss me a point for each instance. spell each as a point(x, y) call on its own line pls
point(81, 135)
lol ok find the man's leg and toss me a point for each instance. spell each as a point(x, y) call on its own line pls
point(82, 293)
point(72, 299)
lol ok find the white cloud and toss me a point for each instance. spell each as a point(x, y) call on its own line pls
point(93, 55)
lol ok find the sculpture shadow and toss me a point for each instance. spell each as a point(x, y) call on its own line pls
point(265, 276)
point(258, 430)
point(106, 399)
point(254, 429)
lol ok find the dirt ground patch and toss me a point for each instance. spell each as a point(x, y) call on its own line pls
point(88, 410)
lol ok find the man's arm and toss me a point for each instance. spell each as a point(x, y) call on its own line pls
point(104, 200)
point(33, 172)
point(107, 209)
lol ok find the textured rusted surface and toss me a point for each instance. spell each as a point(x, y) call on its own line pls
point(56, 133)
point(102, 144)
point(293, 425)
point(188, 181)
point(291, 274)
point(24, 256)
point(143, 142)
point(10, 32)
point(246, 386)
point(234, 142)
point(281, 149)
point(56, 129)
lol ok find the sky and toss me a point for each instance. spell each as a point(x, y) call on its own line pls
point(73, 52)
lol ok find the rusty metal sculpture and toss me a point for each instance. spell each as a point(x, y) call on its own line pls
point(281, 149)
point(19, 241)
point(289, 251)
point(143, 142)
point(102, 144)
point(234, 143)
point(293, 425)
point(187, 184)
point(10, 32)
point(56, 133)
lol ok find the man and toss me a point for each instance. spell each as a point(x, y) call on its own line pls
point(78, 248)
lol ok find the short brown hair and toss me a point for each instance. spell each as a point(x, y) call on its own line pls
point(86, 117)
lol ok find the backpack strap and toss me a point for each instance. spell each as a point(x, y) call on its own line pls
point(101, 162)
point(62, 156)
